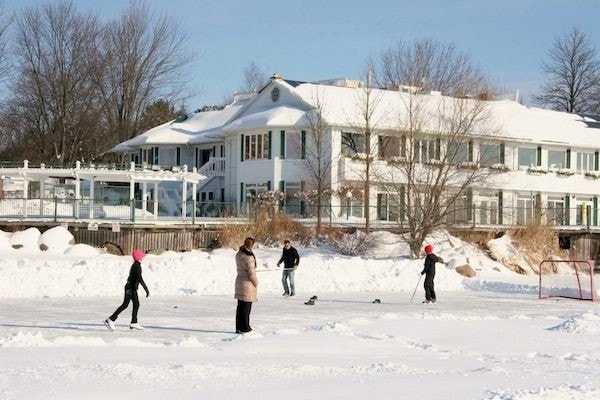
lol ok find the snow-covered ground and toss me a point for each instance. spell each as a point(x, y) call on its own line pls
point(488, 337)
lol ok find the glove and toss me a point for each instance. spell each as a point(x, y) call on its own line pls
point(422, 273)
point(278, 265)
point(147, 293)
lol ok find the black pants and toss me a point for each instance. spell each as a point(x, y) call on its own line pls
point(130, 295)
point(242, 316)
point(429, 290)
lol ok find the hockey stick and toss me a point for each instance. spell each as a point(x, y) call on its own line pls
point(413, 295)
point(273, 270)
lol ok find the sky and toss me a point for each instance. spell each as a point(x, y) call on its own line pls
point(488, 337)
point(313, 40)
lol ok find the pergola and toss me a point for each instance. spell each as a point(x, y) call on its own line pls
point(153, 176)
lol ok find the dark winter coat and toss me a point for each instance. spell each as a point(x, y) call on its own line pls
point(246, 281)
point(429, 268)
point(289, 257)
point(135, 277)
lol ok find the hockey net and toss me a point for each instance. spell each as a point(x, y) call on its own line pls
point(573, 279)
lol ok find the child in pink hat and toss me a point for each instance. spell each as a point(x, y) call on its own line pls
point(131, 288)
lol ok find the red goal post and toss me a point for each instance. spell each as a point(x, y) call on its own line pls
point(576, 282)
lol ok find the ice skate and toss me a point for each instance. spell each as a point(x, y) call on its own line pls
point(110, 324)
point(136, 326)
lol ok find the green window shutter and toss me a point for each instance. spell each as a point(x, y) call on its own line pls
point(500, 201)
point(155, 157)
point(303, 155)
point(438, 144)
point(282, 145)
point(241, 192)
point(242, 148)
point(269, 138)
point(469, 204)
point(568, 160)
point(268, 185)
point(141, 156)
point(539, 157)
point(502, 151)
point(178, 157)
point(567, 209)
point(470, 151)
point(595, 211)
point(596, 161)
point(402, 195)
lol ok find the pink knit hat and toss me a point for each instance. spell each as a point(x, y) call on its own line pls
point(138, 255)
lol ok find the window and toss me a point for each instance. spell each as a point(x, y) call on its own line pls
point(527, 156)
point(256, 147)
point(293, 145)
point(459, 152)
point(391, 146)
point(491, 154)
point(390, 207)
point(585, 161)
point(292, 203)
point(202, 156)
point(557, 159)
point(524, 210)
point(167, 156)
point(352, 143)
point(426, 150)
point(555, 213)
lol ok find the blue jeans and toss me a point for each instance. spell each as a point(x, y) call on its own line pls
point(288, 274)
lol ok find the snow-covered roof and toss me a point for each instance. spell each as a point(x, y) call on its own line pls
point(343, 106)
point(195, 129)
point(268, 117)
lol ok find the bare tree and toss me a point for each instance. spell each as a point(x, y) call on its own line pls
point(317, 158)
point(431, 163)
point(142, 59)
point(367, 103)
point(572, 75)
point(52, 107)
point(255, 78)
point(434, 165)
point(426, 65)
point(5, 22)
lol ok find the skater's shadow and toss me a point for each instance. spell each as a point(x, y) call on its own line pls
point(87, 327)
point(351, 301)
point(179, 329)
point(57, 327)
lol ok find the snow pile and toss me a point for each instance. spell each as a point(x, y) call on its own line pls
point(80, 270)
point(580, 323)
point(504, 251)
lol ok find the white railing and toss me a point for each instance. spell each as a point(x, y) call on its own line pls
point(214, 167)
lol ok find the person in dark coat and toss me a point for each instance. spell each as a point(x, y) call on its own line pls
point(131, 288)
point(290, 260)
point(429, 272)
point(246, 284)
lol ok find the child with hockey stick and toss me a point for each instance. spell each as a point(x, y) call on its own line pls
point(131, 288)
point(429, 272)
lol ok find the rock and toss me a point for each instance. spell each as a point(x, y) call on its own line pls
point(112, 248)
point(466, 270)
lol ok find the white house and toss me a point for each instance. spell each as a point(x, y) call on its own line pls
point(544, 159)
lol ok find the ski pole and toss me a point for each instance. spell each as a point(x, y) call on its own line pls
point(413, 295)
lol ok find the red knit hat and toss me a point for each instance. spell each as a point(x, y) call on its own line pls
point(138, 255)
point(428, 249)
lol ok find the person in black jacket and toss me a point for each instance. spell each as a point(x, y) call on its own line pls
point(290, 260)
point(131, 288)
point(429, 272)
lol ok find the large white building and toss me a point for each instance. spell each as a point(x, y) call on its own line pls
point(541, 159)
